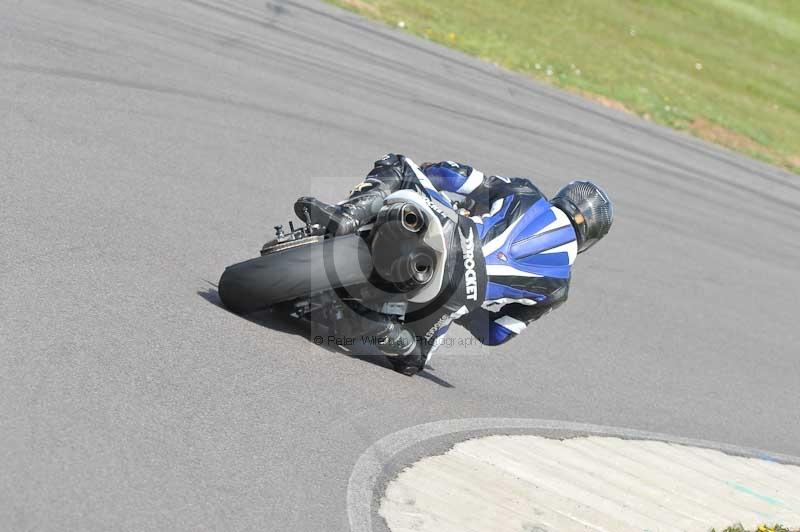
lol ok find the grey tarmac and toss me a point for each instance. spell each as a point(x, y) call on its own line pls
point(147, 144)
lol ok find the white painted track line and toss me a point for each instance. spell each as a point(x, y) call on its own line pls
point(532, 483)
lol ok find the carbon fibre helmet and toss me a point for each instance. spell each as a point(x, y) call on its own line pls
point(589, 210)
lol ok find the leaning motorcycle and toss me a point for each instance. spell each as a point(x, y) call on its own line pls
point(416, 263)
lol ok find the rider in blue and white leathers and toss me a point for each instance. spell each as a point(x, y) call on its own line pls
point(527, 245)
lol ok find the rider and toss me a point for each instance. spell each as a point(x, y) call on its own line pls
point(528, 246)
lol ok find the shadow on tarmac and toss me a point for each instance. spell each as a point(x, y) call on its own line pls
point(278, 320)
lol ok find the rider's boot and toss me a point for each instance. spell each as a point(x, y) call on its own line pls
point(365, 201)
point(390, 336)
point(410, 364)
point(402, 349)
point(342, 218)
point(396, 340)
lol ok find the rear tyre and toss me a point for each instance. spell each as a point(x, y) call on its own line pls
point(295, 272)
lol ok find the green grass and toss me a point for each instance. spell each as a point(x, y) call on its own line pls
point(726, 70)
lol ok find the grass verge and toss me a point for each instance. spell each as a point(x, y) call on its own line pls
point(725, 70)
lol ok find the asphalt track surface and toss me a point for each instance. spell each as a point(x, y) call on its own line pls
point(146, 145)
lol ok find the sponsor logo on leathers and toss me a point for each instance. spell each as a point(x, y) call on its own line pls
point(468, 251)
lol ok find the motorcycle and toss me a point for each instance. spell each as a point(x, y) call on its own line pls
point(406, 264)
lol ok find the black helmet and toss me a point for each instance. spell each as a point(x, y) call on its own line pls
point(589, 210)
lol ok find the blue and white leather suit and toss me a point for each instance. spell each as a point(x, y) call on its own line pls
point(528, 245)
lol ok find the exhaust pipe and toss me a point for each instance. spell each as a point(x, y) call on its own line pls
point(402, 218)
point(399, 257)
point(412, 218)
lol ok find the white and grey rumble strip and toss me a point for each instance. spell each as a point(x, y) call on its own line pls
point(600, 478)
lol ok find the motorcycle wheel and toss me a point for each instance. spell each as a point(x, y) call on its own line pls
point(300, 270)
